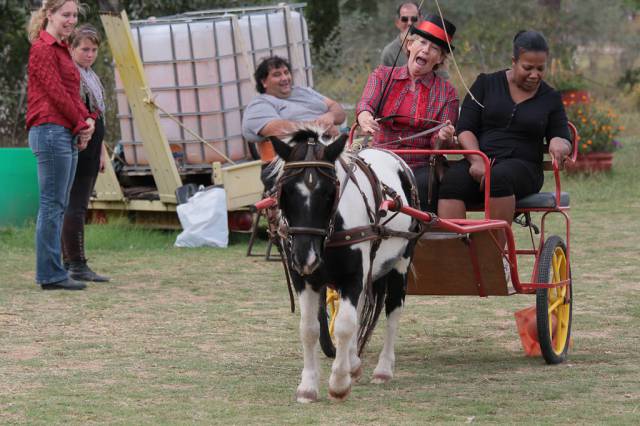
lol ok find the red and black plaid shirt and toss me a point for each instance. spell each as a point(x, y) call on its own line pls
point(53, 88)
point(433, 99)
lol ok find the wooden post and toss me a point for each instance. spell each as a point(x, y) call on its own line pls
point(147, 120)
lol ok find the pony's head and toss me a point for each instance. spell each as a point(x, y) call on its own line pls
point(308, 194)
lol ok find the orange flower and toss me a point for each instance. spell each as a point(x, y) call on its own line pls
point(589, 142)
point(621, 128)
point(585, 146)
point(584, 120)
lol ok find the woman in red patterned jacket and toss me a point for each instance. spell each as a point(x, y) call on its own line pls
point(415, 99)
point(59, 125)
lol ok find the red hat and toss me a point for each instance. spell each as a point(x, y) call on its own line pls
point(431, 29)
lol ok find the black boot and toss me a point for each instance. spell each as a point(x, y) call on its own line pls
point(79, 270)
point(66, 284)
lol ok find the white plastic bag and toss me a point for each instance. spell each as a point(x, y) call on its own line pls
point(204, 220)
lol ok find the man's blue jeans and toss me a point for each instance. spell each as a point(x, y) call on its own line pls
point(57, 156)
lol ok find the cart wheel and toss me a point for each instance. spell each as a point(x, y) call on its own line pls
point(554, 305)
point(329, 306)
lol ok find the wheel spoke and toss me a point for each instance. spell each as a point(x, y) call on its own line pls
point(554, 306)
point(556, 262)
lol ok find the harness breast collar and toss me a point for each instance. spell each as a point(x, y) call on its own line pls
point(374, 231)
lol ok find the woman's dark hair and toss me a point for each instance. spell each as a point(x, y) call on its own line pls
point(84, 31)
point(529, 41)
point(265, 66)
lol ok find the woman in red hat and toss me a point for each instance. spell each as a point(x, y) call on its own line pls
point(398, 103)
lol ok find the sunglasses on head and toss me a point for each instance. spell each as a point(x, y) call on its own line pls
point(405, 19)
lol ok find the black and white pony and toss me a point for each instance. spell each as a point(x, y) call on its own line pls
point(323, 194)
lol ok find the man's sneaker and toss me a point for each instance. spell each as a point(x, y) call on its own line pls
point(79, 270)
point(68, 284)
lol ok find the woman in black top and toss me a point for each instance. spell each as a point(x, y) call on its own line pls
point(84, 44)
point(515, 111)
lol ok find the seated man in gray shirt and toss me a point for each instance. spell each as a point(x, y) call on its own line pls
point(281, 107)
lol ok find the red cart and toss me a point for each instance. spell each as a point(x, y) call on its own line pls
point(462, 257)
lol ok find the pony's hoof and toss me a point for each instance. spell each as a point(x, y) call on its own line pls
point(307, 396)
point(339, 396)
point(357, 374)
point(381, 378)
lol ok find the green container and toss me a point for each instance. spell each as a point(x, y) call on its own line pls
point(18, 186)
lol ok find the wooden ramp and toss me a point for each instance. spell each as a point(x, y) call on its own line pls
point(443, 265)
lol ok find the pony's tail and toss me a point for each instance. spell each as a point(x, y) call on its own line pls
point(371, 308)
point(37, 23)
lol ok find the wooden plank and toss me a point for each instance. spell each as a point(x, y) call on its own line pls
point(107, 186)
point(442, 266)
point(242, 47)
point(131, 205)
point(147, 120)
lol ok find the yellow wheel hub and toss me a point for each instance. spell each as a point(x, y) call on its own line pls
point(333, 305)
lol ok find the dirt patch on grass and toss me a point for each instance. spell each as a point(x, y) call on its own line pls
point(22, 353)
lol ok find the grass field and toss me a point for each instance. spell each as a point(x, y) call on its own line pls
point(205, 336)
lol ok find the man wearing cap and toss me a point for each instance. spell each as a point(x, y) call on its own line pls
point(414, 100)
point(281, 107)
point(407, 14)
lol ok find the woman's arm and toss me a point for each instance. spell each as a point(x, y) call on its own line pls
point(369, 101)
point(557, 132)
point(448, 114)
point(43, 70)
point(469, 142)
point(560, 149)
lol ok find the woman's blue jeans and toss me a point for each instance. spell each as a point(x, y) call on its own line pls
point(55, 149)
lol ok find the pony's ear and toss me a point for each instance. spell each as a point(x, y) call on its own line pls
point(333, 151)
point(282, 149)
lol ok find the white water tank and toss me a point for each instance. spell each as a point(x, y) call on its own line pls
point(199, 67)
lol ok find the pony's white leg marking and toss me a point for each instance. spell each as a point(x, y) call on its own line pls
point(309, 332)
point(354, 359)
point(384, 370)
point(345, 327)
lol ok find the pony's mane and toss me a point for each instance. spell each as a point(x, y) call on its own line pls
point(301, 134)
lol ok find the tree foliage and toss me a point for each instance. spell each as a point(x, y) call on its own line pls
point(13, 48)
point(323, 17)
point(348, 36)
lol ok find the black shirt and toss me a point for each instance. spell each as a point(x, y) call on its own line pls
point(89, 158)
point(508, 130)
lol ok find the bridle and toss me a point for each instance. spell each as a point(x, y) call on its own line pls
point(294, 169)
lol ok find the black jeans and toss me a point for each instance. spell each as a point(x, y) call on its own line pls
point(74, 218)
